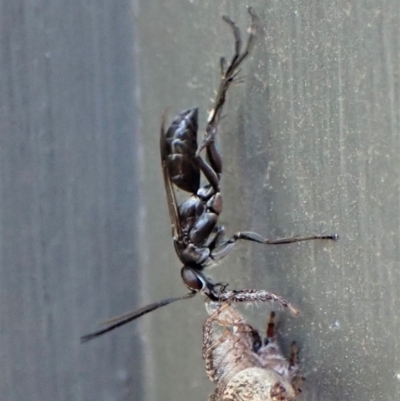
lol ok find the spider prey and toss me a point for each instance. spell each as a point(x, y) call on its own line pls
point(242, 364)
point(198, 239)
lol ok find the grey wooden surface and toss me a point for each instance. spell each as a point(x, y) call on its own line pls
point(310, 144)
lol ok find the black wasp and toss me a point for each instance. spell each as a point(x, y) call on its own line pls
point(198, 239)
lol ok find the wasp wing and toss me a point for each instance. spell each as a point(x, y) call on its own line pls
point(171, 198)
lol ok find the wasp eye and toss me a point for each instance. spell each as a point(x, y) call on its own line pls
point(192, 279)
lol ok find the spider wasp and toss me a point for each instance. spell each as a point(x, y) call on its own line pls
point(198, 239)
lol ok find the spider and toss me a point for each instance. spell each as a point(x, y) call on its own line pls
point(242, 364)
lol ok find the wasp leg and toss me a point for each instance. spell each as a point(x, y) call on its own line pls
point(250, 236)
point(228, 75)
point(219, 233)
point(239, 57)
point(214, 157)
point(226, 247)
point(209, 172)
